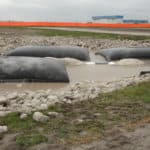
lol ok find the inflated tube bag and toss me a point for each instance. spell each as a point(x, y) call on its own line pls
point(52, 51)
point(121, 53)
point(32, 69)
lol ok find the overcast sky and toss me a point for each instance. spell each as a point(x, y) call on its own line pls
point(72, 10)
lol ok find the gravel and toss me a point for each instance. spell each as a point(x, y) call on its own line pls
point(28, 101)
point(9, 42)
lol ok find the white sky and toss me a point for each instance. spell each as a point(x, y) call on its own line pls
point(72, 10)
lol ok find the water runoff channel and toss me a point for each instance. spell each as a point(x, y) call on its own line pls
point(96, 70)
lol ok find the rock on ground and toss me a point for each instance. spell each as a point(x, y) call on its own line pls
point(40, 117)
point(23, 116)
point(4, 113)
point(3, 129)
point(3, 100)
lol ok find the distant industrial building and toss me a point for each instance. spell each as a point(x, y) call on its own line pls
point(116, 19)
point(108, 19)
point(135, 21)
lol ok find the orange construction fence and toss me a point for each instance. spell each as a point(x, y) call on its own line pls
point(70, 24)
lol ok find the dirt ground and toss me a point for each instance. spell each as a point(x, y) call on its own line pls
point(118, 139)
point(122, 140)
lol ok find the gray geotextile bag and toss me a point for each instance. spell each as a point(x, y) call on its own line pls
point(122, 53)
point(51, 51)
point(32, 69)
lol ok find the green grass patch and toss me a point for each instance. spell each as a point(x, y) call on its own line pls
point(54, 32)
point(115, 108)
point(27, 140)
point(76, 34)
point(140, 92)
point(16, 124)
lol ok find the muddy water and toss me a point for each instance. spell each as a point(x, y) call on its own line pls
point(19, 87)
point(101, 72)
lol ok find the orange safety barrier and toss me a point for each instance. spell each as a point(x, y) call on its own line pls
point(71, 24)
